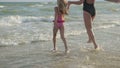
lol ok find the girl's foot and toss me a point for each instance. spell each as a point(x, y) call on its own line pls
point(66, 51)
point(53, 50)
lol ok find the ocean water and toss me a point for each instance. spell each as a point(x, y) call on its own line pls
point(27, 23)
point(31, 21)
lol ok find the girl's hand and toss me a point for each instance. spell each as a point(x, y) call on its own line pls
point(55, 24)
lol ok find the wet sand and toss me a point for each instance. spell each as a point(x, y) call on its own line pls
point(37, 54)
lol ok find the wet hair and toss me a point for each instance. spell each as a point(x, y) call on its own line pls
point(62, 6)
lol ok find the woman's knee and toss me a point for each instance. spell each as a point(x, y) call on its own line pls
point(89, 28)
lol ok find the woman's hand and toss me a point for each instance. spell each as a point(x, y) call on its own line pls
point(68, 5)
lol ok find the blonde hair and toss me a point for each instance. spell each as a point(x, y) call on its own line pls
point(62, 6)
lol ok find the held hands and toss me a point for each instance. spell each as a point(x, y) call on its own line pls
point(68, 5)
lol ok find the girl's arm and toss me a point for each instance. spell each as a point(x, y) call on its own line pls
point(55, 16)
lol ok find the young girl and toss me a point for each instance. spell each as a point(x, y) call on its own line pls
point(60, 11)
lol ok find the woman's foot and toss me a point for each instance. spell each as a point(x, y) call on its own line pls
point(97, 47)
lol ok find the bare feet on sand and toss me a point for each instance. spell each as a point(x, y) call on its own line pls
point(67, 51)
point(97, 48)
point(54, 50)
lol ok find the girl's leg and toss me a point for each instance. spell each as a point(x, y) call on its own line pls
point(88, 25)
point(63, 38)
point(55, 30)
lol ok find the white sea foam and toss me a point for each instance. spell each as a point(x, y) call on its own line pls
point(15, 20)
point(105, 26)
point(10, 20)
point(2, 6)
point(37, 5)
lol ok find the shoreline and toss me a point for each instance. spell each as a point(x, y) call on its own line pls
point(38, 54)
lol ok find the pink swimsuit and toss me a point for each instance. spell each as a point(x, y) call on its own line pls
point(60, 21)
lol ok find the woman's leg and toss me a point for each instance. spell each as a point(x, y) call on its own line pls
point(93, 17)
point(55, 30)
point(88, 25)
point(89, 40)
point(63, 38)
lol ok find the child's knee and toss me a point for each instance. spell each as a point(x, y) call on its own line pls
point(62, 37)
point(54, 37)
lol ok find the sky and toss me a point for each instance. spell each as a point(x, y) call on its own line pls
point(30, 0)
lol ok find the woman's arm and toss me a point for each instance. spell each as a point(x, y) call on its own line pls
point(75, 2)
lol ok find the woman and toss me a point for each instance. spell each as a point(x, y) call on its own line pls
point(89, 15)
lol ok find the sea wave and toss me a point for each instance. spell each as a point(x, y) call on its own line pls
point(18, 38)
point(17, 30)
point(25, 35)
point(36, 5)
point(10, 20)
point(15, 20)
point(2, 6)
